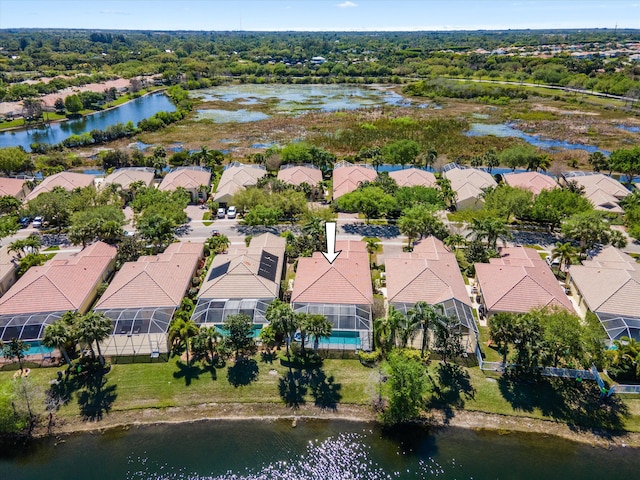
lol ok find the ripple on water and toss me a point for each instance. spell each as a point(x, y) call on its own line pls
point(344, 457)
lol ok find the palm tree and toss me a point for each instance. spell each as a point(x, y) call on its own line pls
point(319, 327)
point(455, 240)
point(181, 330)
point(409, 326)
point(280, 315)
point(491, 159)
point(94, 327)
point(447, 194)
point(565, 252)
point(501, 331)
point(627, 352)
point(15, 349)
point(489, 229)
point(372, 247)
point(395, 319)
point(425, 315)
point(57, 335)
point(25, 246)
point(206, 341)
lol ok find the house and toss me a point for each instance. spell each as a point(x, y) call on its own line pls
point(518, 281)
point(609, 286)
point(237, 176)
point(602, 191)
point(67, 180)
point(143, 297)
point(412, 177)
point(245, 280)
point(347, 177)
point(126, 176)
point(68, 282)
point(430, 274)
point(8, 269)
point(535, 182)
point(14, 187)
point(190, 178)
point(298, 174)
point(341, 291)
point(469, 183)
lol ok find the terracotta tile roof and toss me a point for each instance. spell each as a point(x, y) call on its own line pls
point(609, 283)
point(412, 177)
point(347, 178)
point(11, 186)
point(59, 285)
point(518, 282)
point(469, 182)
point(67, 180)
point(430, 273)
point(297, 174)
point(346, 281)
point(153, 281)
point(126, 176)
point(533, 181)
point(254, 272)
point(186, 177)
point(236, 177)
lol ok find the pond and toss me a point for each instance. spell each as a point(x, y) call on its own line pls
point(136, 110)
point(296, 100)
point(318, 450)
point(507, 130)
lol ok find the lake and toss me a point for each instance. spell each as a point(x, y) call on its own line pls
point(295, 100)
point(507, 130)
point(323, 450)
point(136, 110)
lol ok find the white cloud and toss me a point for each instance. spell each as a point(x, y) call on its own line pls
point(347, 4)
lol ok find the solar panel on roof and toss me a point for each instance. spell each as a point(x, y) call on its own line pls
point(218, 271)
point(268, 266)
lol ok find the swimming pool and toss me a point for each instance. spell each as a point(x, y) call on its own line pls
point(35, 348)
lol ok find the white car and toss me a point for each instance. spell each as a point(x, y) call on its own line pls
point(221, 212)
point(552, 262)
point(37, 222)
point(231, 212)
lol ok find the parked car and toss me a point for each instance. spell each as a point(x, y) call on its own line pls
point(552, 262)
point(24, 222)
point(37, 222)
point(215, 233)
point(231, 212)
point(221, 212)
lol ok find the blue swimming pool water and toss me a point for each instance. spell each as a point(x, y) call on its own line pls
point(35, 348)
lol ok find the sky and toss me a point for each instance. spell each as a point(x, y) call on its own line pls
point(319, 15)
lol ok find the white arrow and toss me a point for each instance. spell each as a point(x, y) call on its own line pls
point(331, 253)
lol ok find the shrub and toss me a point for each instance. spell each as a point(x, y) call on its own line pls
point(369, 359)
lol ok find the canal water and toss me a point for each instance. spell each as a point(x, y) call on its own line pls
point(136, 110)
point(323, 450)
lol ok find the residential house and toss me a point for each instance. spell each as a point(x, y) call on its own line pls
point(518, 281)
point(237, 176)
point(67, 180)
point(190, 178)
point(609, 286)
point(341, 291)
point(469, 185)
point(602, 191)
point(127, 176)
point(298, 174)
point(143, 297)
point(411, 177)
point(535, 182)
point(14, 187)
point(347, 177)
point(244, 280)
point(67, 282)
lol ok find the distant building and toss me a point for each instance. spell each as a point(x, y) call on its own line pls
point(468, 183)
point(411, 177)
point(518, 281)
point(535, 182)
point(347, 177)
point(236, 177)
point(341, 291)
point(189, 178)
point(602, 191)
point(14, 187)
point(67, 180)
point(126, 176)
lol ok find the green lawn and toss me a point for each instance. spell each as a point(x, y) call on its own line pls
point(130, 387)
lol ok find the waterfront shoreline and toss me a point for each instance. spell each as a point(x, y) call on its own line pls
point(437, 421)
